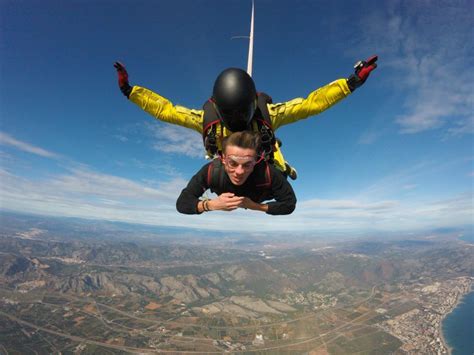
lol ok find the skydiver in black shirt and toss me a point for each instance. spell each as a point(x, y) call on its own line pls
point(241, 179)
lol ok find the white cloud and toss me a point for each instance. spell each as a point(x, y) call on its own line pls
point(163, 167)
point(166, 138)
point(398, 183)
point(88, 194)
point(402, 180)
point(427, 48)
point(8, 140)
point(175, 139)
point(462, 127)
point(83, 182)
point(392, 215)
point(459, 209)
point(349, 205)
point(84, 193)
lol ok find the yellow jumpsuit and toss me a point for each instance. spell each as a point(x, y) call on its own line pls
point(280, 113)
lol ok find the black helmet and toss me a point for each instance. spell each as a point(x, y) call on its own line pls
point(235, 97)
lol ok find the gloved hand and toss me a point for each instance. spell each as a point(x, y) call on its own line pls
point(123, 79)
point(362, 72)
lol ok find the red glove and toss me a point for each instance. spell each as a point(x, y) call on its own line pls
point(362, 72)
point(123, 79)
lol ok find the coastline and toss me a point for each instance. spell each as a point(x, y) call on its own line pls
point(420, 327)
point(459, 299)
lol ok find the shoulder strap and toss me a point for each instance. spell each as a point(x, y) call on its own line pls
point(209, 128)
point(264, 125)
point(264, 178)
point(215, 175)
point(262, 101)
point(210, 116)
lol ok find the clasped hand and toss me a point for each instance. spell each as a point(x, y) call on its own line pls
point(228, 201)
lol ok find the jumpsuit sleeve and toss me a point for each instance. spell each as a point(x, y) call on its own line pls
point(318, 101)
point(189, 197)
point(285, 198)
point(164, 110)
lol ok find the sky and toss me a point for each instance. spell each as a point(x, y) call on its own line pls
point(396, 155)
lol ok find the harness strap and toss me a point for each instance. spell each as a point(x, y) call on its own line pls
point(209, 132)
point(268, 177)
point(215, 174)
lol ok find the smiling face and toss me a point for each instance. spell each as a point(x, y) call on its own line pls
point(239, 163)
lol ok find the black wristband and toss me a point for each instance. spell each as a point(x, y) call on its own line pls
point(354, 82)
point(126, 89)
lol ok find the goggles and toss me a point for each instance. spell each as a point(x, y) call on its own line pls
point(247, 161)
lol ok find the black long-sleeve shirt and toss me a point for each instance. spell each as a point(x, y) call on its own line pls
point(277, 189)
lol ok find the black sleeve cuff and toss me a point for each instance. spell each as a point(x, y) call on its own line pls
point(354, 82)
point(126, 90)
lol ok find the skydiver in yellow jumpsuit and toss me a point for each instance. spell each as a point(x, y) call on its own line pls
point(234, 100)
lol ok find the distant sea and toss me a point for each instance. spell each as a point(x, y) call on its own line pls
point(468, 238)
point(458, 327)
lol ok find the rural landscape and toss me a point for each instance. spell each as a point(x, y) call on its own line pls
point(72, 286)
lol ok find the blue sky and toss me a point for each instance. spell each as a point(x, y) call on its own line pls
point(397, 155)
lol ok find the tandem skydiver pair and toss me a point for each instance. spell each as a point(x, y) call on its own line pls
point(236, 106)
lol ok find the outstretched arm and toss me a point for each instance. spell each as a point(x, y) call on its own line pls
point(322, 98)
point(158, 106)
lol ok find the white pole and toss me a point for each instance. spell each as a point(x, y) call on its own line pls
point(250, 59)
